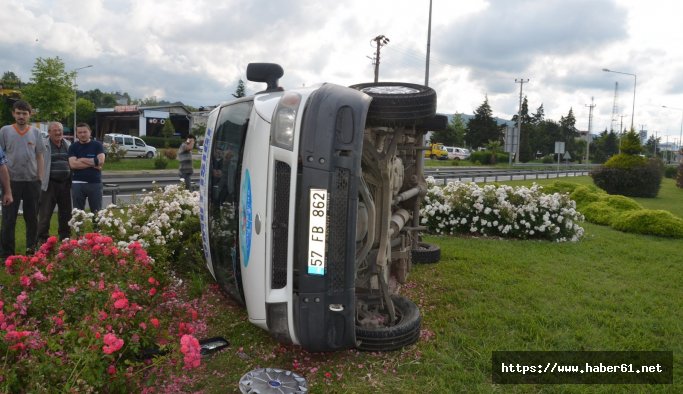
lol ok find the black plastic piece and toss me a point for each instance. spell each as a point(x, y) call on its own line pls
point(270, 73)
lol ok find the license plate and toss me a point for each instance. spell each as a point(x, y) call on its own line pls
point(317, 231)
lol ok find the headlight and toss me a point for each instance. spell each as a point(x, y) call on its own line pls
point(284, 121)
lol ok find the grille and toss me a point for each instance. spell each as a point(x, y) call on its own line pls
point(280, 225)
point(339, 206)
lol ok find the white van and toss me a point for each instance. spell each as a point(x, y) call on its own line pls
point(309, 208)
point(134, 146)
point(455, 153)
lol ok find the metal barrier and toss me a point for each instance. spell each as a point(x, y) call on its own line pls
point(113, 189)
point(509, 176)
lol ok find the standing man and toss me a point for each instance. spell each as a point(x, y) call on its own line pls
point(185, 159)
point(56, 185)
point(86, 158)
point(4, 180)
point(24, 148)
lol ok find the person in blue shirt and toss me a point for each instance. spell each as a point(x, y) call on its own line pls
point(86, 158)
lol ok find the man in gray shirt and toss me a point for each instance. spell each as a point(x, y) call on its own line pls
point(56, 185)
point(185, 158)
point(24, 149)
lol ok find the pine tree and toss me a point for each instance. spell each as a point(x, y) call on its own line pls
point(240, 91)
point(482, 128)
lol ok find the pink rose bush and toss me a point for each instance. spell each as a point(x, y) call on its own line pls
point(78, 315)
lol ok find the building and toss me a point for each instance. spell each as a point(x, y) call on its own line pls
point(142, 120)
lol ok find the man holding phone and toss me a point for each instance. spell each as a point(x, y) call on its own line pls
point(185, 158)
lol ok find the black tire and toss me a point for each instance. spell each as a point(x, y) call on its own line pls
point(149, 155)
point(405, 332)
point(433, 157)
point(398, 103)
point(436, 123)
point(426, 253)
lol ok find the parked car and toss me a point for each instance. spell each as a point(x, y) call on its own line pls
point(134, 146)
point(309, 208)
point(455, 153)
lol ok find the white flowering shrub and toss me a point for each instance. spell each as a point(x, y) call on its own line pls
point(161, 220)
point(503, 211)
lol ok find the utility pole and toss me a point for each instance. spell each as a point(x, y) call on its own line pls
point(429, 43)
point(590, 123)
point(381, 41)
point(521, 83)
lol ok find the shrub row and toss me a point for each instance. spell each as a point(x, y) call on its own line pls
point(486, 157)
point(620, 212)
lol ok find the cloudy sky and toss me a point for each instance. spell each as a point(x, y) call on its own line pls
point(196, 51)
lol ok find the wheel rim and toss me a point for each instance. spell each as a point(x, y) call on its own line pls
point(394, 89)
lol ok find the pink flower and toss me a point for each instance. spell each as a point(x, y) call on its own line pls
point(58, 321)
point(143, 325)
point(155, 322)
point(16, 335)
point(111, 369)
point(100, 286)
point(153, 281)
point(152, 291)
point(102, 315)
point(111, 343)
point(121, 303)
point(39, 276)
point(189, 346)
point(25, 281)
point(185, 328)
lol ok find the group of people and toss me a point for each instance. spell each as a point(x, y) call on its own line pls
point(39, 174)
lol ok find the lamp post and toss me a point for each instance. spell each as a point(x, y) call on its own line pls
point(75, 71)
point(680, 135)
point(635, 79)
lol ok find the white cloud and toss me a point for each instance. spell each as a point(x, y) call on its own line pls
point(196, 51)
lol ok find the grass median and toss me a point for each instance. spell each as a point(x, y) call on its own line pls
point(610, 291)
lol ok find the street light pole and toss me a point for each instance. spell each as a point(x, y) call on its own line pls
point(680, 135)
point(75, 71)
point(635, 80)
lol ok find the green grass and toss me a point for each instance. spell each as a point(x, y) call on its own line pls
point(141, 164)
point(611, 291)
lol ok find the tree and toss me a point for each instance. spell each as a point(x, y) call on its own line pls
point(240, 91)
point(10, 80)
point(168, 129)
point(525, 152)
point(85, 111)
point(99, 98)
point(494, 146)
point(604, 146)
point(630, 143)
point(50, 92)
point(651, 146)
point(482, 128)
point(569, 134)
point(454, 135)
point(9, 85)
